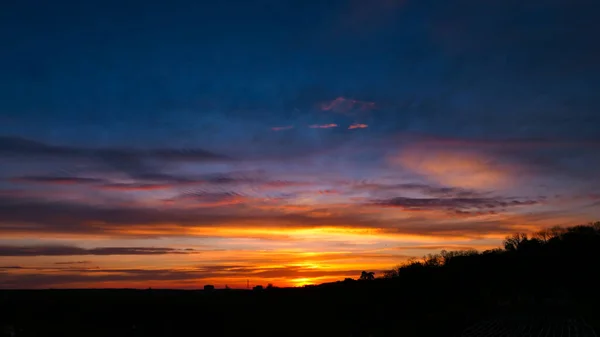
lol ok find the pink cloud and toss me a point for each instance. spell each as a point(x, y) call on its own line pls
point(347, 106)
point(135, 187)
point(358, 126)
point(329, 192)
point(285, 183)
point(323, 126)
point(454, 168)
point(281, 128)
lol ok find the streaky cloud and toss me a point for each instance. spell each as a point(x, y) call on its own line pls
point(57, 180)
point(323, 126)
point(357, 126)
point(135, 187)
point(348, 106)
point(282, 128)
point(73, 251)
point(16, 146)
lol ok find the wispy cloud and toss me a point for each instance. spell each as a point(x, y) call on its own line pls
point(15, 146)
point(282, 128)
point(72, 251)
point(426, 189)
point(279, 184)
point(323, 126)
point(112, 277)
point(57, 180)
point(348, 106)
point(441, 247)
point(202, 198)
point(72, 262)
point(454, 204)
point(135, 187)
point(357, 126)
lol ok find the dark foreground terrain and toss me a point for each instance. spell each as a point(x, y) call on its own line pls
point(546, 285)
point(280, 312)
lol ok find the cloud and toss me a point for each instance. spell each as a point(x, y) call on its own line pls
point(72, 251)
point(148, 180)
point(165, 178)
point(112, 277)
point(348, 106)
point(57, 180)
point(284, 183)
point(15, 146)
point(234, 177)
point(27, 215)
point(498, 161)
point(438, 247)
point(134, 187)
point(238, 216)
point(211, 199)
point(323, 126)
point(328, 192)
point(282, 128)
point(357, 126)
point(430, 190)
point(144, 182)
point(72, 262)
point(460, 206)
point(455, 168)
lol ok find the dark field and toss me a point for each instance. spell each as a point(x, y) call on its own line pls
point(370, 308)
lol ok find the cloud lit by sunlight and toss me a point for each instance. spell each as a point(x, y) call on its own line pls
point(454, 168)
point(357, 126)
point(323, 126)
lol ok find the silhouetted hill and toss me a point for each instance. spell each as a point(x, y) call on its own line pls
point(551, 276)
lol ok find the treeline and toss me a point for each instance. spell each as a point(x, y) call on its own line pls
point(556, 264)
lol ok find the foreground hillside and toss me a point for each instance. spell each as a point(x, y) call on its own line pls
point(549, 277)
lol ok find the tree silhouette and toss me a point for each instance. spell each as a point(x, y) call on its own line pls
point(367, 276)
point(513, 242)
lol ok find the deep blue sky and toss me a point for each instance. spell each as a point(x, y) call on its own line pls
point(470, 117)
point(181, 70)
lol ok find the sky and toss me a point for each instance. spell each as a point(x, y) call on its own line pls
point(173, 144)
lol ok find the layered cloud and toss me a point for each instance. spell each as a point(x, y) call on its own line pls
point(184, 277)
point(74, 251)
point(464, 206)
point(14, 146)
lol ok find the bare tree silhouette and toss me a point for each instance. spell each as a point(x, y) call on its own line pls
point(367, 276)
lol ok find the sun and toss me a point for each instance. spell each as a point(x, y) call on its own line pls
point(300, 282)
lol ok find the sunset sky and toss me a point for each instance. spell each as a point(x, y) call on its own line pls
point(286, 142)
